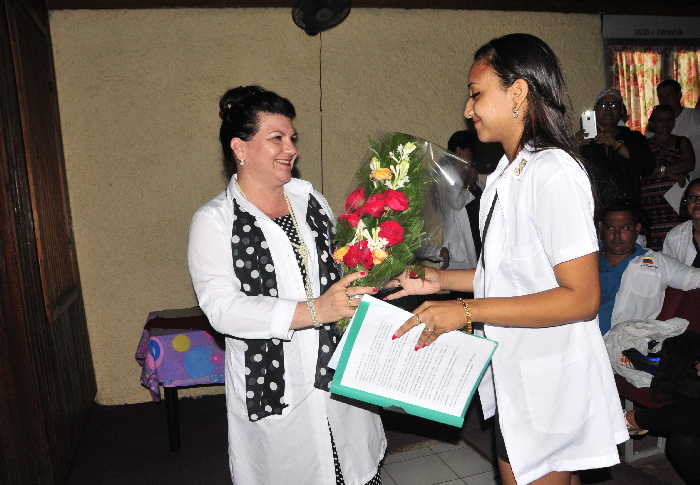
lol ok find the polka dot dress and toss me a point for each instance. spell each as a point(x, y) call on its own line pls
point(287, 225)
point(376, 480)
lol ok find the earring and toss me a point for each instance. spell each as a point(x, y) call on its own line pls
point(241, 163)
point(516, 113)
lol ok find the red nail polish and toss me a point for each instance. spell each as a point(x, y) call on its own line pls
point(362, 273)
point(394, 337)
point(375, 289)
point(412, 275)
point(417, 347)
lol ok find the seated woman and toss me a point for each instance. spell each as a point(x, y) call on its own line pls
point(683, 241)
point(674, 158)
point(260, 260)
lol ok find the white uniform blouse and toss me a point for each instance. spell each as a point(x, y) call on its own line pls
point(679, 243)
point(457, 232)
point(294, 447)
point(557, 402)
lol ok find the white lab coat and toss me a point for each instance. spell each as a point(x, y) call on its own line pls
point(679, 243)
point(456, 230)
point(557, 401)
point(644, 283)
point(294, 447)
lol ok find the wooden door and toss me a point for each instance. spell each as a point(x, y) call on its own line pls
point(45, 361)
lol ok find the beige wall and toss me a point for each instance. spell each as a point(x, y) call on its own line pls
point(138, 94)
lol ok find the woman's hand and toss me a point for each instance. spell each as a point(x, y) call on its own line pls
point(413, 285)
point(581, 138)
point(606, 139)
point(438, 316)
point(338, 302)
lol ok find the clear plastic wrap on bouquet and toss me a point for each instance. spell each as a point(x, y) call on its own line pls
point(394, 214)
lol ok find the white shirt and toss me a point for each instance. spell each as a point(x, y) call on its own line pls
point(644, 282)
point(679, 243)
point(294, 447)
point(688, 125)
point(456, 230)
point(557, 402)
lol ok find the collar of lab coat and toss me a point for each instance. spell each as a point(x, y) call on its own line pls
point(297, 191)
point(502, 180)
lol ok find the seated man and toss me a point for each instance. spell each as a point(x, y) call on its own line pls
point(633, 280)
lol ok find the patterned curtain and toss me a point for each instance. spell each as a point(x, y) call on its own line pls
point(686, 66)
point(635, 72)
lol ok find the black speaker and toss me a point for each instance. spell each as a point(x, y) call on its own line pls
point(315, 16)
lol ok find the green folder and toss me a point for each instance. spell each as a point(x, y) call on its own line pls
point(389, 403)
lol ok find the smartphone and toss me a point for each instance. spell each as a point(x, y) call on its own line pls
point(588, 124)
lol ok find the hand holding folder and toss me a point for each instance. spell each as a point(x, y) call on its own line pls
point(436, 382)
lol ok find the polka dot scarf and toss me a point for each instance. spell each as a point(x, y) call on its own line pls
point(252, 263)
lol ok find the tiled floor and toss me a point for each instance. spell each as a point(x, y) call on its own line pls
point(436, 462)
point(425, 453)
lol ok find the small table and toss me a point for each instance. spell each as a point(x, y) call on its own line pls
point(179, 348)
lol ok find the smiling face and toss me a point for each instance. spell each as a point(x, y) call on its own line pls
point(269, 155)
point(490, 106)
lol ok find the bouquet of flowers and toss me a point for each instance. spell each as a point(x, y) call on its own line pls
point(383, 225)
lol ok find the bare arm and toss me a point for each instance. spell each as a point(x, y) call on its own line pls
point(435, 280)
point(576, 298)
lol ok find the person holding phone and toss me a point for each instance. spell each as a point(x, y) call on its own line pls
point(536, 284)
point(618, 157)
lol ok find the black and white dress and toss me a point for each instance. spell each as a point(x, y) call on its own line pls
point(275, 435)
point(287, 224)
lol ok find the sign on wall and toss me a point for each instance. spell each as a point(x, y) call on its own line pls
point(650, 27)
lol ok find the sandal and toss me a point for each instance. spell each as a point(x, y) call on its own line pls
point(633, 430)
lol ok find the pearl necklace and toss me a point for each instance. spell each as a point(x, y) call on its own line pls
point(304, 252)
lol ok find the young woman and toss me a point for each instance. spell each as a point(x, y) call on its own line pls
point(683, 241)
point(259, 257)
point(536, 284)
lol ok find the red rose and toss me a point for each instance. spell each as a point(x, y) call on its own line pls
point(374, 206)
point(391, 231)
point(358, 253)
point(395, 200)
point(355, 199)
point(352, 217)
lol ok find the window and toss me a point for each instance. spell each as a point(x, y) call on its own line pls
point(635, 68)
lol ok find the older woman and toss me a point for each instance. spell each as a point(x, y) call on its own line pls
point(682, 242)
point(260, 260)
point(618, 157)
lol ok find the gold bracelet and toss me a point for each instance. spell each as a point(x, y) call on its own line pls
point(467, 315)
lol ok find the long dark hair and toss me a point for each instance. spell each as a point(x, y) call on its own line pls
point(524, 56)
point(239, 109)
point(684, 201)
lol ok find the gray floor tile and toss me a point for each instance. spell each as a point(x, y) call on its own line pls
point(425, 470)
point(486, 478)
point(465, 462)
point(407, 455)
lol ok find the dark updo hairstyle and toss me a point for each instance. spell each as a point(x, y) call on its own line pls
point(526, 57)
point(239, 109)
point(684, 201)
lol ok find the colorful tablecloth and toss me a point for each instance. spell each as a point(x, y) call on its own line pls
point(179, 349)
